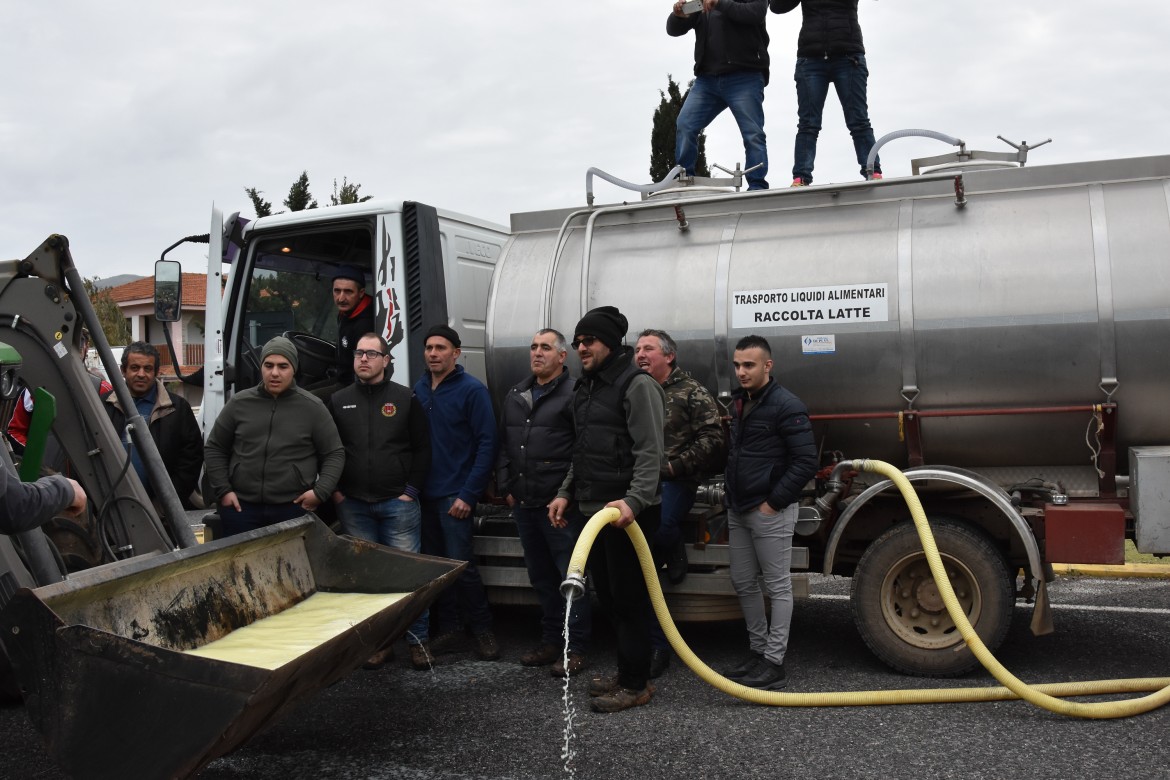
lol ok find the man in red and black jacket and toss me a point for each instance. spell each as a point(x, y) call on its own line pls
point(355, 317)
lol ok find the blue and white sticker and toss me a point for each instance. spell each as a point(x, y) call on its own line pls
point(818, 345)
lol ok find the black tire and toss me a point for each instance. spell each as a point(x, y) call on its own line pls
point(900, 613)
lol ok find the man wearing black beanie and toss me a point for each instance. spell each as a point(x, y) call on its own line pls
point(618, 413)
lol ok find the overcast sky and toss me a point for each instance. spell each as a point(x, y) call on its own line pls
point(121, 123)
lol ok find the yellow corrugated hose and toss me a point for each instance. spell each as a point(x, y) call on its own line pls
point(1042, 695)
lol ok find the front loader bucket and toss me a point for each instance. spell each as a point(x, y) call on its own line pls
point(100, 658)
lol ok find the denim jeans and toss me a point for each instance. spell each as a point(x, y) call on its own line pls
point(677, 500)
point(762, 544)
point(547, 551)
point(252, 516)
point(466, 602)
point(743, 93)
point(392, 523)
point(849, 76)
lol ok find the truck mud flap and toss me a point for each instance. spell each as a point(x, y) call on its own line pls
point(100, 661)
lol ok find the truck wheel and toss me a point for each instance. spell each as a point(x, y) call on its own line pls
point(898, 608)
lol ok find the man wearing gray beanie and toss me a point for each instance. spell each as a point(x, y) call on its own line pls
point(274, 453)
point(618, 413)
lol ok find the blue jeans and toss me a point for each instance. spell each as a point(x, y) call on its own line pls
point(743, 93)
point(677, 500)
point(392, 523)
point(252, 516)
point(547, 551)
point(760, 544)
point(849, 76)
point(450, 537)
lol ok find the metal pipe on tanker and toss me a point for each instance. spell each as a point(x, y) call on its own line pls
point(873, 153)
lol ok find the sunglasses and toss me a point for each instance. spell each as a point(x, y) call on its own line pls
point(588, 341)
point(371, 354)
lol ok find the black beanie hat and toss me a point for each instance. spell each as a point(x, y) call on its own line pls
point(606, 323)
point(446, 332)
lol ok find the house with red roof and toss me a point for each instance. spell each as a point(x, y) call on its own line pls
point(136, 300)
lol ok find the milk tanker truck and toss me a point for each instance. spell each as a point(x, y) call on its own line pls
point(1003, 334)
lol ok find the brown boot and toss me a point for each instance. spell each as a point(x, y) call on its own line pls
point(540, 656)
point(576, 664)
point(419, 657)
point(621, 699)
point(380, 658)
point(486, 647)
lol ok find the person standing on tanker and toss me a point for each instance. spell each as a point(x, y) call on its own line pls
point(388, 453)
point(463, 451)
point(274, 453)
point(693, 448)
point(773, 456)
point(829, 50)
point(355, 318)
point(617, 453)
point(731, 71)
point(535, 454)
point(169, 417)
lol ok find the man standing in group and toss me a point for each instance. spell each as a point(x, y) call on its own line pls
point(829, 50)
point(617, 453)
point(772, 458)
point(388, 454)
point(694, 448)
point(731, 71)
point(274, 453)
point(169, 417)
point(355, 318)
point(463, 450)
point(536, 451)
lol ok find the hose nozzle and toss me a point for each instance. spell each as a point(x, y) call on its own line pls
point(573, 587)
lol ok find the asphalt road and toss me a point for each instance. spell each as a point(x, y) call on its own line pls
point(474, 719)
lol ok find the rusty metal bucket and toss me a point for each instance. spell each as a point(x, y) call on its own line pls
point(100, 657)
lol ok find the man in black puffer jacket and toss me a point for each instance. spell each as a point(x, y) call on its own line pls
point(537, 446)
point(829, 51)
point(772, 457)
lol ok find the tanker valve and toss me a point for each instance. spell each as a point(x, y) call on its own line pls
point(681, 216)
point(960, 192)
point(573, 587)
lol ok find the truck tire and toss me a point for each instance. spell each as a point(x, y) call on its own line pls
point(900, 613)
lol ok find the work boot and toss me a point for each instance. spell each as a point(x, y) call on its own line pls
point(380, 658)
point(601, 685)
point(541, 656)
point(676, 564)
point(486, 647)
point(744, 668)
point(447, 642)
point(419, 657)
point(766, 676)
point(577, 663)
point(621, 699)
point(659, 660)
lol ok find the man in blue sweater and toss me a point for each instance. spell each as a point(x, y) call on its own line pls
point(463, 450)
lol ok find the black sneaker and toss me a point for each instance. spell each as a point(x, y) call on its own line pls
point(676, 564)
point(659, 660)
point(743, 669)
point(767, 676)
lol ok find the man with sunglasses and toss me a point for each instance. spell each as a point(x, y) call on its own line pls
point(618, 413)
point(388, 453)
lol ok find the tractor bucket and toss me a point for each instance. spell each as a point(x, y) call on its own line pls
point(100, 657)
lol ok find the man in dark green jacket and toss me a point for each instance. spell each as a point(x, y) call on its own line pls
point(274, 453)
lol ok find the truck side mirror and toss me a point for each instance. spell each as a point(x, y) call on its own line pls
point(168, 290)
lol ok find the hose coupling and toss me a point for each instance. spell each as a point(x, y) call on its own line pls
point(573, 587)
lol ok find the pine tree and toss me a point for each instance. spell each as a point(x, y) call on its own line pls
point(299, 198)
point(662, 135)
point(262, 207)
point(347, 194)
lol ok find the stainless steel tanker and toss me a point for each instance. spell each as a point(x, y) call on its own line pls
point(1004, 333)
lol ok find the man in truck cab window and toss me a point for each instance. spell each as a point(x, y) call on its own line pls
point(355, 317)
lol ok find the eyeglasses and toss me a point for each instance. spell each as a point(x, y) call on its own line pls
point(370, 354)
point(588, 341)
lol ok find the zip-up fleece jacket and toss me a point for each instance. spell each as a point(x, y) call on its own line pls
point(536, 442)
point(829, 27)
point(463, 435)
point(172, 426)
point(745, 35)
point(270, 449)
point(387, 440)
point(773, 454)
